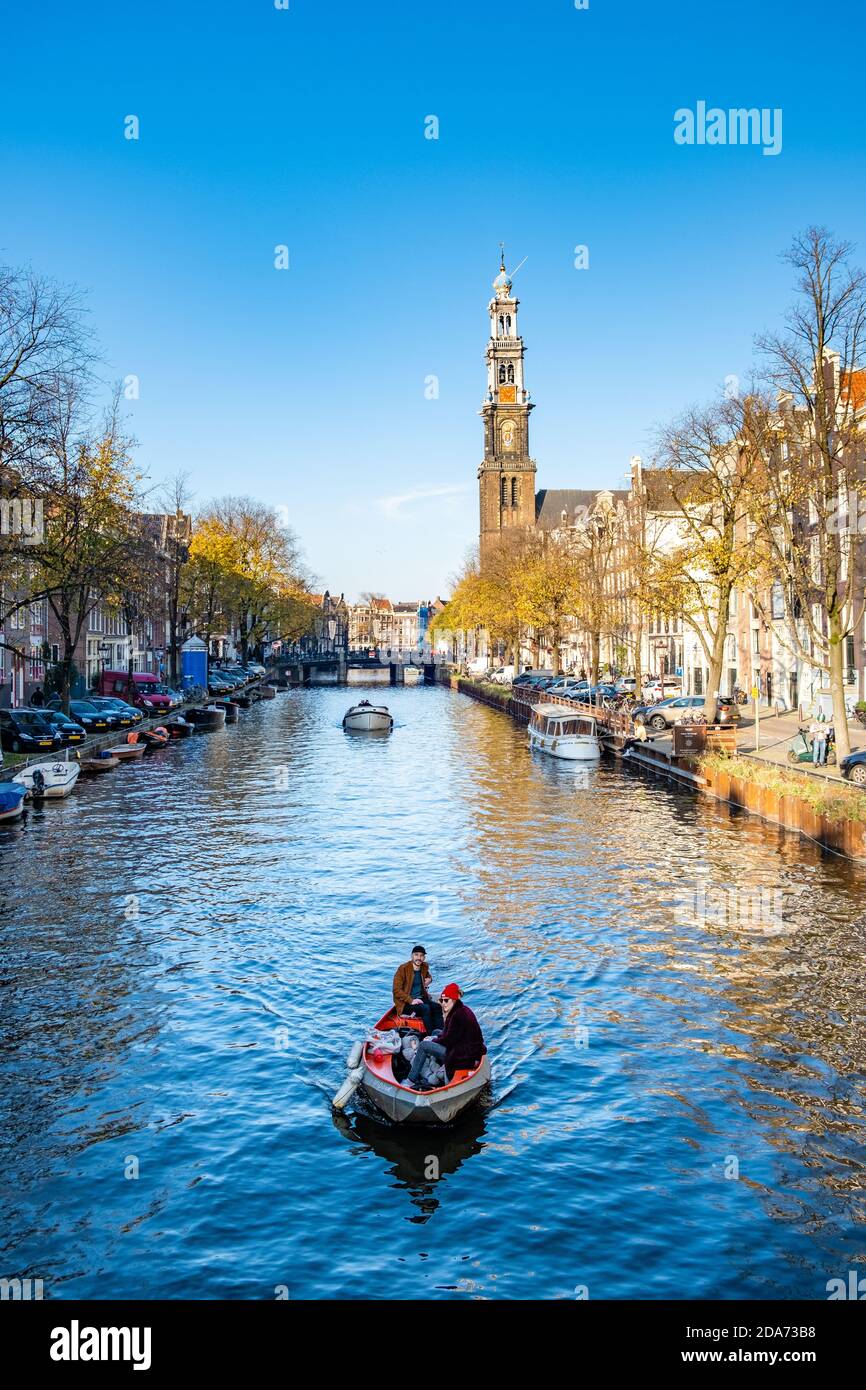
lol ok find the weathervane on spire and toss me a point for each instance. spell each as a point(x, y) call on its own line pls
point(502, 255)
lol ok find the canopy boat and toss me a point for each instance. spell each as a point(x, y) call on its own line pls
point(12, 796)
point(564, 734)
point(373, 1069)
point(103, 761)
point(49, 780)
point(206, 716)
point(369, 718)
point(412, 675)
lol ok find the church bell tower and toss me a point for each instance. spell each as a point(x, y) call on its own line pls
point(506, 477)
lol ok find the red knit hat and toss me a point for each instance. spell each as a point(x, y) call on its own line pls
point(451, 992)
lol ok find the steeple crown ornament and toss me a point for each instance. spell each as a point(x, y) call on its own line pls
point(502, 283)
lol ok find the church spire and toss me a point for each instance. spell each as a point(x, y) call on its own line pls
point(507, 474)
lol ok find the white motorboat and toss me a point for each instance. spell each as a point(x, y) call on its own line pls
point(49, 780)
point(564, 734)
point(368, 718)
point(412, 675)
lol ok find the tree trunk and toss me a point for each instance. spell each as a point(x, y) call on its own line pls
point(836, 656)
point(595, 657)
point(717, 661)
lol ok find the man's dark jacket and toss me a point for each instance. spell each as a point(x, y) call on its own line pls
point(462, 1040)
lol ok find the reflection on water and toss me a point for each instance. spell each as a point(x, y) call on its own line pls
point(672, 996)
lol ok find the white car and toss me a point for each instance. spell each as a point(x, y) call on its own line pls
point(503, 675)
point(658, 690)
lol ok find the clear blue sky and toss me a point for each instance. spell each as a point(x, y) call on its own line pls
point(306, 127)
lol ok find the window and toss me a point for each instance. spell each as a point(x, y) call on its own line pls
point(504, 491)
point(514, 492)
point(502, 373)
point(511, 372)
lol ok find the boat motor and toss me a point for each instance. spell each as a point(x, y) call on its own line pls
point(38, 782)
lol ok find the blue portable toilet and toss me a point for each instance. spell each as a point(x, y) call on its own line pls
point(193, 660)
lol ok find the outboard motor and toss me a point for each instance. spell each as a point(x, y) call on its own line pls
point(38, 782)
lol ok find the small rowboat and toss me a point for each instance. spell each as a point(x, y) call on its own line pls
point(12, 796)
point(100, 762)
point(129, 752)
point(232, 709)
point(49, 780)
point(395, 1099)
point(366, 718)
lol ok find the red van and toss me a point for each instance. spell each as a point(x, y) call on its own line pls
point(147, 693)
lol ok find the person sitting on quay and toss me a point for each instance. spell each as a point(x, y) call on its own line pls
point(412, 981)
point(459, 1044)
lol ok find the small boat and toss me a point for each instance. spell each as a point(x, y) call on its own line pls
point(398, 1101)
point(155, 738)
point(129, 752)
point(178, 727)
point(242, 699)
point(412, 675)
point(267, 692)
point(232, 709)
point(12, 796)
point(100, 762)
point(564, 734)
point(49, 781)
point(206, 716)
point(369, 718)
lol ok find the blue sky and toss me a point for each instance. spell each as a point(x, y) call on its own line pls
point(305, 127)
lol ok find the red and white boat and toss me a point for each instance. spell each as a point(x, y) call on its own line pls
point(371, 1068)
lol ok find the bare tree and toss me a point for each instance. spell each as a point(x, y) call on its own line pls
point(813, 448)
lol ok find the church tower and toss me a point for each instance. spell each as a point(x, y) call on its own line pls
point(506, 478)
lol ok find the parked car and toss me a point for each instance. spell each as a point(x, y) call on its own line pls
point(854, 767)
point(667, 712)
point(626, 685)
point(69, 729)
point(661, 688)
point(27, 731)
point(567, 685)
point(533, 677)
point(502, 675)
point(256, 668)
point(94, 720)
point(126, 713)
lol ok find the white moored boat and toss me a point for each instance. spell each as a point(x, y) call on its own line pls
point(369, 718)
point(564, 734)
point(49, 780)
point(412, 675)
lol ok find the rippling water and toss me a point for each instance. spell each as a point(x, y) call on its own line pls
point(672, 995)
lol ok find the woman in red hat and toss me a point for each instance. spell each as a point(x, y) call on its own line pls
point(459, 1043)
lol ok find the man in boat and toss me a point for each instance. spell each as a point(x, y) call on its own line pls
point(412, 981)
point(458, 1044)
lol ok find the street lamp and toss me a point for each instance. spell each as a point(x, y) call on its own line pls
point(332, 631)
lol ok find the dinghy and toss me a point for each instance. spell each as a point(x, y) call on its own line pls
point(129, 752)
point(49, 781)
point(372, 1068)
point(12, 796)
point(367, 718)
point(100, 762)
point(178, 727)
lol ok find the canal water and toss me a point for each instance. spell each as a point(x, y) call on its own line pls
point(672, 996)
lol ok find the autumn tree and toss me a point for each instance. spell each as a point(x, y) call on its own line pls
point(710, 474)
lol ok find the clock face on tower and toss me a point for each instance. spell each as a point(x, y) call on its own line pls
point(508, 394)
